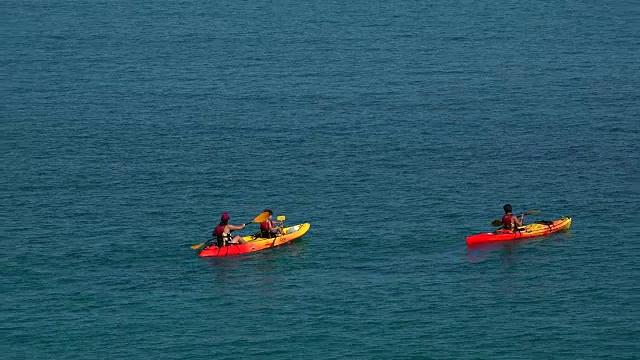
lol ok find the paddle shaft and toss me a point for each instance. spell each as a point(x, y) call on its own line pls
point(497, 222)
point(260, 218)
point(197, 246)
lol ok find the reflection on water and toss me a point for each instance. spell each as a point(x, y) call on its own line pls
point(506, 250)
point(282, 252)
point(261, 268)
point(264, 272)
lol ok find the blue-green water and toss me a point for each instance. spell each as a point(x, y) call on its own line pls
point(395, 128)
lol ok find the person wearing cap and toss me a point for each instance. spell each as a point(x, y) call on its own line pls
point(267, 230)
point(222, 232)
point(510, 221)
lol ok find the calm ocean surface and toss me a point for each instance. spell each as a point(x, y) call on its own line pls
point(395, 128)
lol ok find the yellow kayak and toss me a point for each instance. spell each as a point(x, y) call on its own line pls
point(254, 243)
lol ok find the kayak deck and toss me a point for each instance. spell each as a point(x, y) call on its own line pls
point(254, 243)
point(532, 230)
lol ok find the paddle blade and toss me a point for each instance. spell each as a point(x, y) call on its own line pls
point(281, 218)
point(531, 212)
point(198, 246)
point(261, 218)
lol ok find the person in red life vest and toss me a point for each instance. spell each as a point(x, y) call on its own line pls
point(267, 230)
point(509, 221)
point(222, 232)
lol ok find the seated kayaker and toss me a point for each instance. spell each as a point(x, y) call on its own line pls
point(267, 230)
point(222, 232)
point(509, 221)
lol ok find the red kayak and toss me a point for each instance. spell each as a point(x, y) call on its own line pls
point(539, 228)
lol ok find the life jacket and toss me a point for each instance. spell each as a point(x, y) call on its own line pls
point(264, 229)
point(218, 234)
point(506, 221)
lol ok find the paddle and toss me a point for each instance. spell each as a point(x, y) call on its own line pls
point(280, 218)
point(260, 218)
point(497, 222)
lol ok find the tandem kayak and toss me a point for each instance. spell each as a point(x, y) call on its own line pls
point(254, 243)
point(539, 228)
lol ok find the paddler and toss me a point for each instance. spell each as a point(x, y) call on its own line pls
point(267, 230)
point(509, 221)
point(222, 232)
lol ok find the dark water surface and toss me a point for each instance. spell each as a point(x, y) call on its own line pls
point(395, 128)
